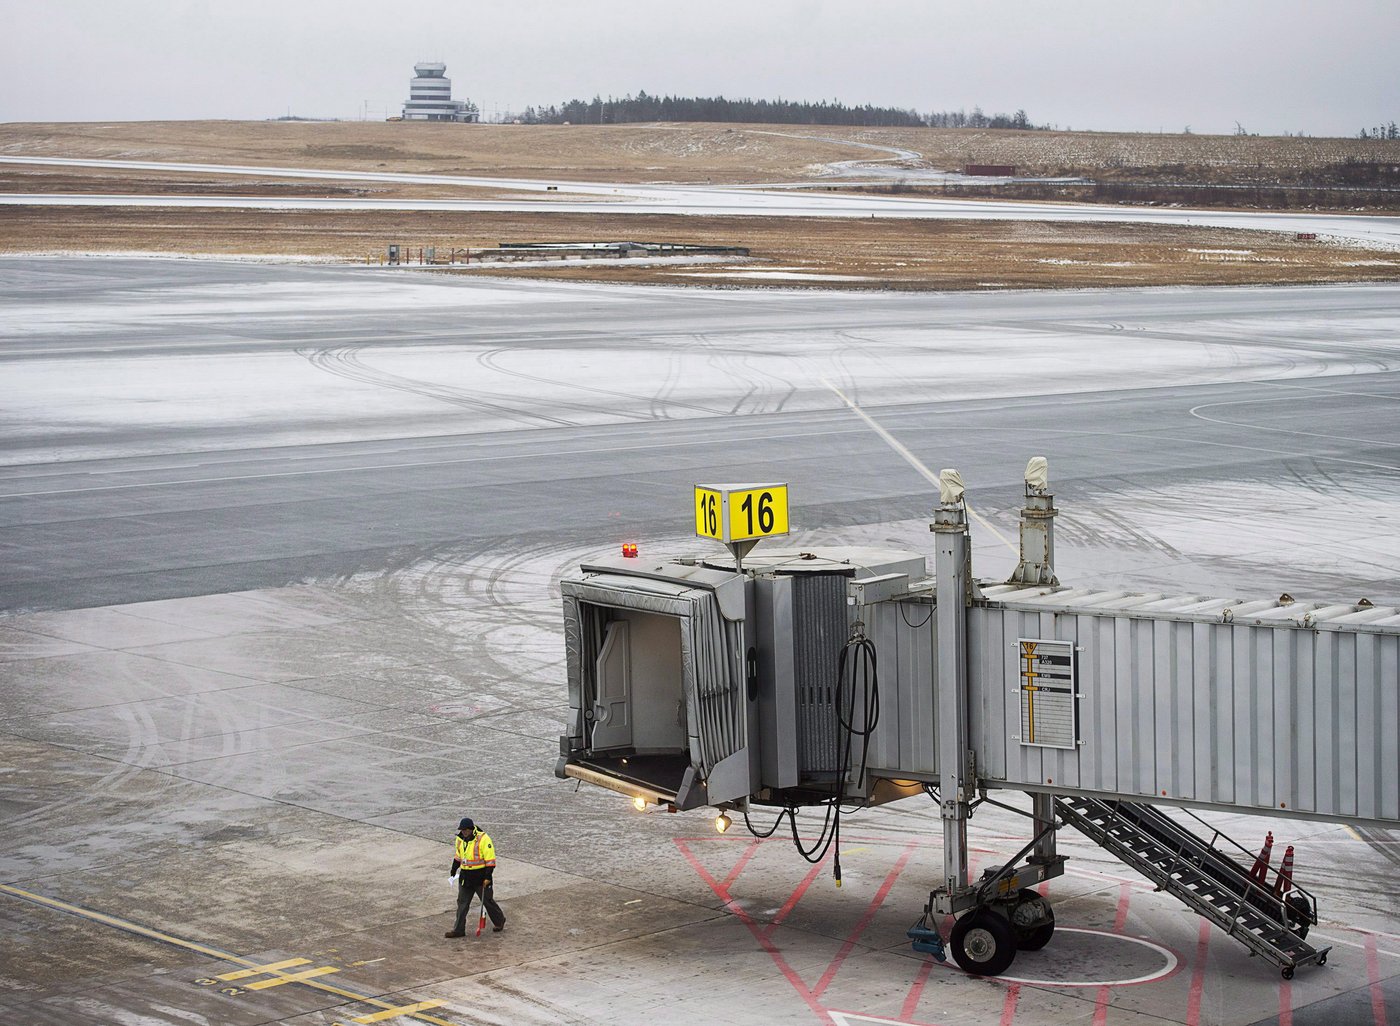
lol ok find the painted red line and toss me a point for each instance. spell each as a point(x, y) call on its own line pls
point(916, 990)
point(1008, 1010)
point(796, 895)
point(1125, 897)
point(1101, 1007)
point(715, 885)
point(1373, 970)
point(1198, 977)
point(722, 892)
point(911, 1003)
point(850, 943)
point(1120, 920)
point(739, 866)
point(1285, 1003)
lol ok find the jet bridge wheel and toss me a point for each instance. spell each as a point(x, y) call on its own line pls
point(1033, 920)
point(983, 942)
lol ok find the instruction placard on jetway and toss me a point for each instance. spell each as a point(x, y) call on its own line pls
point(1049, 699)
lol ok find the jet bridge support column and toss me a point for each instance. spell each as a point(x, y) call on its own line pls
point(1001, 913)
point(1043, 812)
point(956, 783)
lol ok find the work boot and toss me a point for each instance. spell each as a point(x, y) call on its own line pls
point(455, 933)
point(498, 929)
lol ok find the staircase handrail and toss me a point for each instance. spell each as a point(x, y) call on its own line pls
point(1268, 892)
point(1252, 920)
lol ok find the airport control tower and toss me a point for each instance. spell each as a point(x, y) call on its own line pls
point(430, 96)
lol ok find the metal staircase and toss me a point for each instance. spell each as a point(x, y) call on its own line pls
point(1203, 876)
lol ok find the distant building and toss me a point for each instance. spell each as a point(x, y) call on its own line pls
point(430, 97)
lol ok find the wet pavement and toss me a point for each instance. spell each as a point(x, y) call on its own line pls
point(231, 802)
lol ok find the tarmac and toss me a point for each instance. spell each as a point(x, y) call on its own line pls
point(229, 800)
point(237, 809)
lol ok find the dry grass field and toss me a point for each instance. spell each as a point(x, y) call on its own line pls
point(630, 153)
point(693, 152)
point(786, 251)
point(1212, 159)
point(842, 253)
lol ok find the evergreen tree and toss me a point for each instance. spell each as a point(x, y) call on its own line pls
point(645, 108)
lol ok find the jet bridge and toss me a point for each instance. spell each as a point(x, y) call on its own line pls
point(693, 682)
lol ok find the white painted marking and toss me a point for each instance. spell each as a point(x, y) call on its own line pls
point(1195, 411)
point(852, 1018)
point(913, 461)
point(1166, 970)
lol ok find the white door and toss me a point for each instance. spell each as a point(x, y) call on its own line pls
point(612, 711)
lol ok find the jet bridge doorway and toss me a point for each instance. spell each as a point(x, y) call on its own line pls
point(657, 684)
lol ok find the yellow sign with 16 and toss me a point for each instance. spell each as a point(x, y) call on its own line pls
point(734, 513)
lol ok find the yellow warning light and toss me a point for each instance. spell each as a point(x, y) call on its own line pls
point(722, 822)
point(639, 803)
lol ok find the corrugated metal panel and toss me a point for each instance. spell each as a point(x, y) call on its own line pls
point(821, 628)
point(1265, 714)
point(905, 738)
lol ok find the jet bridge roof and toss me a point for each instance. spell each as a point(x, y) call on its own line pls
point(1280, 612)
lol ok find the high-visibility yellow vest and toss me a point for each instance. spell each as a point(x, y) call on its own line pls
point(478, 853)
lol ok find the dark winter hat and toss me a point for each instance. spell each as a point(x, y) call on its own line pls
point(466, 824)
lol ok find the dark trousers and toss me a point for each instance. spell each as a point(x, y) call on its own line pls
point(468, 887)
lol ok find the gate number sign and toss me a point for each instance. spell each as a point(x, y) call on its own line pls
point(733, 513)
point(1049, 701)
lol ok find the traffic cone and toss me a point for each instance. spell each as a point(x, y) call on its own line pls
point(1259, 872)
point(1284, 883)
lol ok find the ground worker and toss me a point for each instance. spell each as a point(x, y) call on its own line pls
point(473, 865)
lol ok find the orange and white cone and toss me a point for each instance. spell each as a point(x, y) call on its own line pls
point(1284, 883)
point(1259, 872)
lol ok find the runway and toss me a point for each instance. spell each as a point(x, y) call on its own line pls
point(180, 427)
point(279, 605)
point(729, 201)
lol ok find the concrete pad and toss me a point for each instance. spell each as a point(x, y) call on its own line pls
point(238, 612)
point(289, 792)
point(106, 628)
point(19, 645)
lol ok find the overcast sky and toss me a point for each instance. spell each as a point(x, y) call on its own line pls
point(1272, 65)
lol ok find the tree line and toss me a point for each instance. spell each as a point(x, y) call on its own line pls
point(645, 108)
point(1389, 131)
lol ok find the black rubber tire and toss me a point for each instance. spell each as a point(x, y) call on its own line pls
point(983, 943)
point(1322, 958)
point(1299, 914)
point(1036, 937)
point(1288, 972)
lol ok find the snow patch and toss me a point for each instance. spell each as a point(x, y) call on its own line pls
point(775, 275)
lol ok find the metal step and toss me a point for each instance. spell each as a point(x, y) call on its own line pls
point(1197, 872)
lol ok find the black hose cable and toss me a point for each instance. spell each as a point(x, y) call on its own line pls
point(905, 617)
point(863, 676)
point(771, 830)
point(863, 671)
point(820, 846)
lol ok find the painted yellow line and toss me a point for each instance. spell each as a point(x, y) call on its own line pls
point(259, 970)
point(300, 977)
point(203, 949)
point(1352, 830)
point(852, 851)
point(394, 1013)
point(913, 461)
